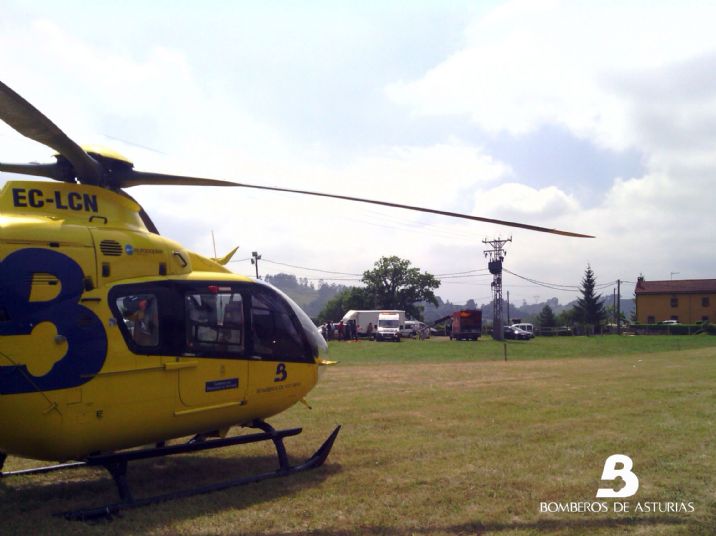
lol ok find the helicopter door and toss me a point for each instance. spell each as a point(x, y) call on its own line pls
point(215, 339)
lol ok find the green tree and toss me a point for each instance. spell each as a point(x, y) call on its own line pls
point(341, 303)
point(567, 317)
point(395, 284)
point(546, 318)
point(611, 314)
point(590, 307)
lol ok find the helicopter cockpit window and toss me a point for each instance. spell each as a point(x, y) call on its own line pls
point(274, 330)
point(214, 323)
point(140, 313)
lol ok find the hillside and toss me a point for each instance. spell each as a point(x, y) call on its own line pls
point(313, 297)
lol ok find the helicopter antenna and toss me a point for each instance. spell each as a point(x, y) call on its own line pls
point(213, 241)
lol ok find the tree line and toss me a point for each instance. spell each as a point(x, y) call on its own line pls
point(589, 310)
point(394, 283)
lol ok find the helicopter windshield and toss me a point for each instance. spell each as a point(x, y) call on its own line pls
point(319, 347)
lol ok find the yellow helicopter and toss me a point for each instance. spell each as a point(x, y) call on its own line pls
point(114, 337)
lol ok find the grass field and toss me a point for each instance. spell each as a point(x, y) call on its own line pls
point(445, 437)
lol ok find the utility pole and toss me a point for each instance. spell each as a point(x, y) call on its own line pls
point(255, 261)
point(496, 255)
point(508, 307)
point(614, 305)
point(619, 306)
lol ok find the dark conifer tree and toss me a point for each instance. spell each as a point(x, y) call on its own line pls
point(590, 307)
point(546, 317)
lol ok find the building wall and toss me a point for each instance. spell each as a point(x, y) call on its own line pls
point(689, 308)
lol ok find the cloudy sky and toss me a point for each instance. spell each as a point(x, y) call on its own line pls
point(595, 117)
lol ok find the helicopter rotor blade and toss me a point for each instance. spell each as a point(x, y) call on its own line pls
point(130, 177)
point(135, 178)
point(423, 209)
point(33, 124)
point(75, 162)
point(53, 171)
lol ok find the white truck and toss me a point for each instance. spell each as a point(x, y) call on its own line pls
point(389, 326)
point(363, 318)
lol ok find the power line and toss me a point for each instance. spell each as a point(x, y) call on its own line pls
point(463, 276)
point(309, 269)
point(331, 279)
point(553, 286)
point(452, 276)
point(459, 273)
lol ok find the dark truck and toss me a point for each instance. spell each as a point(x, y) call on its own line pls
point(466, 324)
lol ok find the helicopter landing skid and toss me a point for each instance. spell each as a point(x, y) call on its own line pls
point(116, 464)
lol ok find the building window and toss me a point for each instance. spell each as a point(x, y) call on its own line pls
point(705, 319)
point(705, 302)
point(675, 317)
point(674, 302)
point(650, 320)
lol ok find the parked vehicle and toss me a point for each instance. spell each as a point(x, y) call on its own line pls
point(389, 325)
point(413, 328)
point(511, 332)
point(466, 324)
point(363, 318)
point(529, 328)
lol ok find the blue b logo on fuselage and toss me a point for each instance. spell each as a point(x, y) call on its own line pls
point(80, 327)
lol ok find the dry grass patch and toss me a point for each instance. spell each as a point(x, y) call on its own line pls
point(463, 447)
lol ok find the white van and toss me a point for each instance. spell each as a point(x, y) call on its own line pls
point(413, 327)
point(388, 327)
point(363, 318)
point(529, 328)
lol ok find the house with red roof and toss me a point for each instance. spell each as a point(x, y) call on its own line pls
point(686, 301)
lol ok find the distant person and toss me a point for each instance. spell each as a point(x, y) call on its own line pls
point(341, 331)
point(369, 331)
point(423, 333)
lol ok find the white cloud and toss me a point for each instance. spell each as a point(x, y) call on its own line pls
point(518, 201)
point(618, 75)
point(636, 75)
point(533, 63)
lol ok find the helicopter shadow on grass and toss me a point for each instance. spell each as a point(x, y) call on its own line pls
point(30, 497)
